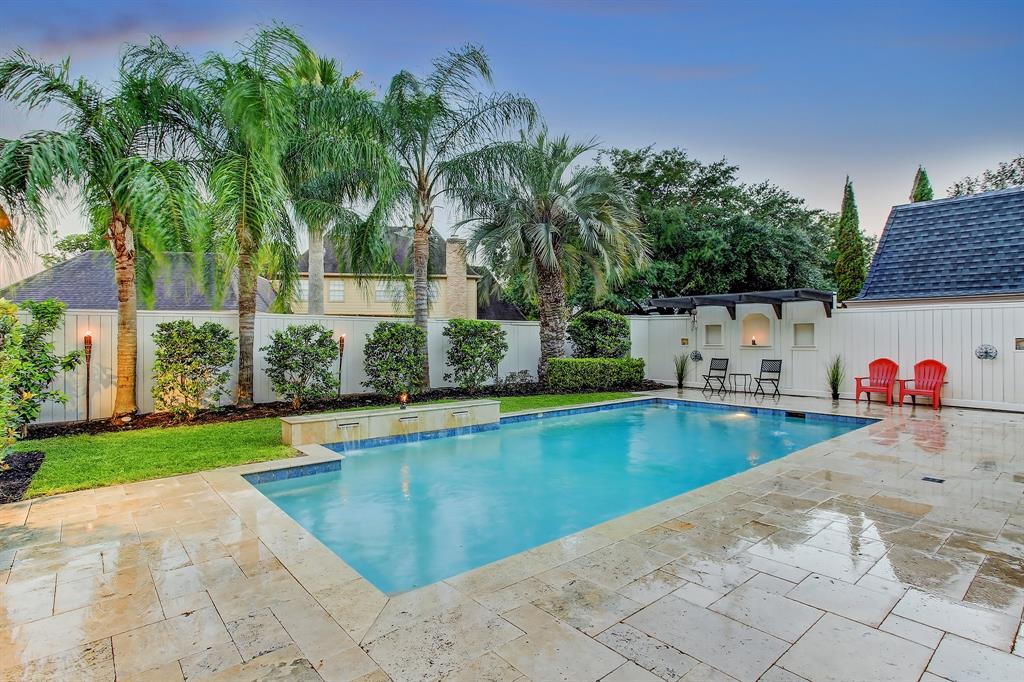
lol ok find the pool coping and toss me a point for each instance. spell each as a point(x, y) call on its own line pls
point(310, 561)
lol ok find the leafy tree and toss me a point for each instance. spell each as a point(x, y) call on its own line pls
point(709, 233)
point(299, 362)
point(922, 189)
point(475, 348)
point(31, 361)
point(107, 147)
point(393, 358)
point(851, 267)
point(71, 245)
point(1006, 174)
point(434, 122)
point(190, 366)
point(600, 334)
point(537, 212)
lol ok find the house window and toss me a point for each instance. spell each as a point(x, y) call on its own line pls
point(395, 290)
point(755, 331)
point(303, 291)
point(803, 334)
point(336, 290)
point(712, 335)
point(389, 290)
point(1018, 344)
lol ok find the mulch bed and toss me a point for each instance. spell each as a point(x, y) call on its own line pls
point(278, 409)
point(17, 472)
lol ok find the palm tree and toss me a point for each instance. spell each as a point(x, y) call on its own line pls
point(332, 111)
point(116, 150)
point(434, 121)
point(535, 214)
point(256, 148)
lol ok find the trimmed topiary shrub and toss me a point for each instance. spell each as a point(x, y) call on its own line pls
point(393, 358)
point(474, 351)
point(300, 362)
point(594, 374)
point(189, 370)
point(600, 334)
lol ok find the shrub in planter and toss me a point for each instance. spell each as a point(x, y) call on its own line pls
point(474, 351)
point(190, 370)
point(594, 374)
point(393, 358)
point(300, 362)
point(28, 361)
point(599, 334)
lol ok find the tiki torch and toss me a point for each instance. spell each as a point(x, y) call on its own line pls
point(88, 371)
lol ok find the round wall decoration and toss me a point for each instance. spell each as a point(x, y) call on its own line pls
point(696, 356)
point(986, 351)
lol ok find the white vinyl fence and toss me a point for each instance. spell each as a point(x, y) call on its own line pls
point(805, 339)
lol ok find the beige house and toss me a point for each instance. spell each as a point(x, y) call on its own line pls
point(453, 284)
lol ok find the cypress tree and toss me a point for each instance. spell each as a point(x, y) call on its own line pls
point(922, 190)
point(851, 269)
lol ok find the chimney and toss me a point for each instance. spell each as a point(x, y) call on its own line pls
point(455, 269)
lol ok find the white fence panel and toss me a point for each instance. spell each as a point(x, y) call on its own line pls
point(907, 334)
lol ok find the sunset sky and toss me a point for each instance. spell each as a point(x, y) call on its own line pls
point(801, 93)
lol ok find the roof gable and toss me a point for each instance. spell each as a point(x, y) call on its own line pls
point(86, 281)
point(967, 246)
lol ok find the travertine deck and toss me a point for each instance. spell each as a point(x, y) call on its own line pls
point(837, 562)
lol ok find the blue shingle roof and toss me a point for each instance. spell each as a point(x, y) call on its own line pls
point(967, 246)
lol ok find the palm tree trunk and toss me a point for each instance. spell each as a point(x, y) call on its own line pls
point(551, 305)
point(122, 244)
point(316, 273)
point(246, 327)
point(422, 221)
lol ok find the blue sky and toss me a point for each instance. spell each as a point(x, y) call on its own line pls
point(801, 93)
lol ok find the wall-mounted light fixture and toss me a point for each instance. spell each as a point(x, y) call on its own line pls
point(87, 343)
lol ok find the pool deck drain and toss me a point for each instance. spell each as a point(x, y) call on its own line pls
point(835, 562)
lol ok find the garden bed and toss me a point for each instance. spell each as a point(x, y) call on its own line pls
point(285, 409)
point(17, 473)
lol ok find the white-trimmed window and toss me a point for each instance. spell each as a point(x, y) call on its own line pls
point(336, 290)
point(389, 290)
point(395, 290)
point(712, 335)
point(303, 290)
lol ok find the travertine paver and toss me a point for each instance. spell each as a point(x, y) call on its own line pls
point(841, 650)
point(837, 562)
point(963, 660)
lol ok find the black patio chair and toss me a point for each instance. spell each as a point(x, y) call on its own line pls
point(718, 371)
point(771, 372)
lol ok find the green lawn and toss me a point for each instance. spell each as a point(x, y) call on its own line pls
point(79, 462)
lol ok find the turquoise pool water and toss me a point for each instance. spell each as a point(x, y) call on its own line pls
point(411, 514)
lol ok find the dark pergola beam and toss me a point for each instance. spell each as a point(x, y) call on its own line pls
point(810, 295)
point(774, 301)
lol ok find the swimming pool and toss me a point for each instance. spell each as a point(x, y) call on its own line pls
point(410, 514)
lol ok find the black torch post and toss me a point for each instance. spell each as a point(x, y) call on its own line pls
point(88, 371)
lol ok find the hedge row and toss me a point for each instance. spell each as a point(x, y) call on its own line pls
point(594, 374)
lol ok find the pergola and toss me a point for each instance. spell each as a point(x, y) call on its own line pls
point(730, 301)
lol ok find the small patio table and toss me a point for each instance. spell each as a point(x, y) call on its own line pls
point(748, 381)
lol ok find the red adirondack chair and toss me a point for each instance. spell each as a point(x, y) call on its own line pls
point(929, 375)
point(882, 379)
